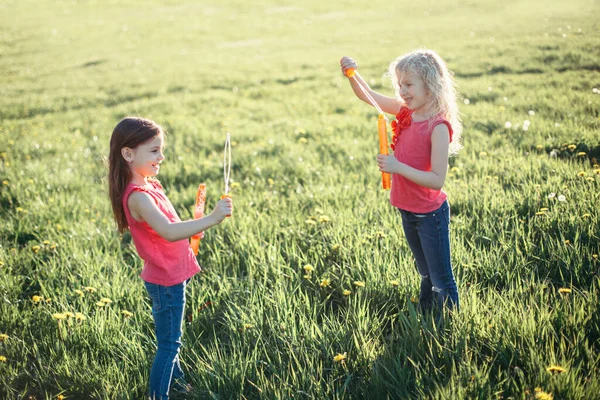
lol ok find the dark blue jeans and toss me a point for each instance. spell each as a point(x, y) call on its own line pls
point(428, 237)
point(168, 303)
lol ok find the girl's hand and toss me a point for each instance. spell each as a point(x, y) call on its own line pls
point(347, 63)
point(389, 164)
point(223, 208)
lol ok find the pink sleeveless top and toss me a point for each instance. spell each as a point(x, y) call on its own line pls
point(412, 146)
point(165, 263)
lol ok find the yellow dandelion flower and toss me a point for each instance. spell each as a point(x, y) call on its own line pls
point(5, 183)
point(60, 397)
point(340, 357)
point(567, 242)
point(335, 247)
point(79, 292)
point(100, 304)
point(414, 299)
point(483, 154)
point(37, 299)
point(310, 222)
point(270, 181)
point(555, 369)
point(58, 227)
point(323, 219)
point(539, 147)
point(346, 292)
point(590, 179)
point(46, 242)
point(597, 171)
point(19, 209)
point(35, 248)
point(359, 284)
point(455, 169)
point(303, 140)
point(395, 282)
point(581, 154)
point(325, 282)
point(2, 359)
point(540, 213)
point(380, 235)
point(248, 326)
point(541, 395)
point(69, 314)
point(571, 147)
point(308, 268)
point(235, 185)
point(595, 256)
point(89, 289)
point(306, 276)
point(564, 290)
point(586, 215)
point(581, 173)
point(1, 264)
point(59, 316)
point(106, 300)
point(48, 300)
point(3, 337)
point(544, 209)
point(127, 314)
point(80, 317)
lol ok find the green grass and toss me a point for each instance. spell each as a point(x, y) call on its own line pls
point(268, 73)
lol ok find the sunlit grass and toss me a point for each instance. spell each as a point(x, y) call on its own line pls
point(309, 290)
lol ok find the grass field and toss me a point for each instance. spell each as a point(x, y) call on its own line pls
point(524, 198)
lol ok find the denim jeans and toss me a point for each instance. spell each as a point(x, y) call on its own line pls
point(168, 303)
point(428, 237)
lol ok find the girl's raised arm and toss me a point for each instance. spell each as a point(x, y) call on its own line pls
point(390, 105)
point(143, 208)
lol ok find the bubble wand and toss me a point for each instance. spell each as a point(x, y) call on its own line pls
point(201, 194)
point(381, 125)
point(227, 166)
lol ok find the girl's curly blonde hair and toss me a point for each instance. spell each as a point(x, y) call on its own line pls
point(429, 66)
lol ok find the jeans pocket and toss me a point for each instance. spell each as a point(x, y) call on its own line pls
point(154, 293)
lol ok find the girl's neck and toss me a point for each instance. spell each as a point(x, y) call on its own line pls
point(138, 179)
point(422, 114)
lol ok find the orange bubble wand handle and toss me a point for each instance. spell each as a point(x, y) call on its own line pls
point(350, 72)
point(198, 213)
point(383, 149)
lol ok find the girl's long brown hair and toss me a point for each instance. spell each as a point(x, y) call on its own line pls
point(130, 132)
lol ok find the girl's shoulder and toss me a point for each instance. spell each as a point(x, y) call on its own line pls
point(441, 120)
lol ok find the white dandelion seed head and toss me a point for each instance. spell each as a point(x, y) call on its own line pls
point(561, 197)
point(531, 112)
point(507, 124)
point(467, 101)
point(551, 195)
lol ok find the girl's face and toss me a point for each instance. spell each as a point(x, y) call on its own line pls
point(145, 159)
point(413, 91)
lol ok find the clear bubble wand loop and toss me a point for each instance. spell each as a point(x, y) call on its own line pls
point(227, 166)
point(382, 121)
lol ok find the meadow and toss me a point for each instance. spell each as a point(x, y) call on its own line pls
point(308, 291)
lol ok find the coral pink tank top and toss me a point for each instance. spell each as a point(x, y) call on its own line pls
point(412, 146)
point(165, 263)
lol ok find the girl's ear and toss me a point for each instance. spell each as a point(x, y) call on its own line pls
point(127, 154)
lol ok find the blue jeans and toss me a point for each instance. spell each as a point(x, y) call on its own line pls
point(168, 303)
point(428, 237)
